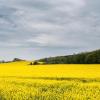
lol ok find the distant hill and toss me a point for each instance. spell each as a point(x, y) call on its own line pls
point(81, 58)
point(14, 60)
point(17, 59)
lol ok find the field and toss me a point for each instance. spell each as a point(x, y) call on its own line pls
point(21, 81)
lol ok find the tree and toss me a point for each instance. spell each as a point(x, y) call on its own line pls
point(91, 59)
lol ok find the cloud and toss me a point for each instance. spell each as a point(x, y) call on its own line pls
point(67, 25)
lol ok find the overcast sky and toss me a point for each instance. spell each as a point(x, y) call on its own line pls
point(32, 29)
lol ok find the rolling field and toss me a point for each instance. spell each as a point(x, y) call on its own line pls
point(21, 81)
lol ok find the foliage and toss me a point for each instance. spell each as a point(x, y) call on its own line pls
point(82, 58)
point(37, 63)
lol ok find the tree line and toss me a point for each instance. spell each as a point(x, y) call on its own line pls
point(81, 58)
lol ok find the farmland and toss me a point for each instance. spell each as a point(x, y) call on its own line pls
point(21, 81)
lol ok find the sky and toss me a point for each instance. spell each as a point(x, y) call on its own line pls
point(33, 29)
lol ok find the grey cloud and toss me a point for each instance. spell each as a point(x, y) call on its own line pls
point(67, 25)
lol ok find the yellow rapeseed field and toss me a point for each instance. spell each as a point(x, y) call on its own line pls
point(21, 81)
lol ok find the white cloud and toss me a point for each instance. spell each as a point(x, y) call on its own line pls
point(46, 40)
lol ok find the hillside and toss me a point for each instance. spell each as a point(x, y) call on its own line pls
point(81, 58)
